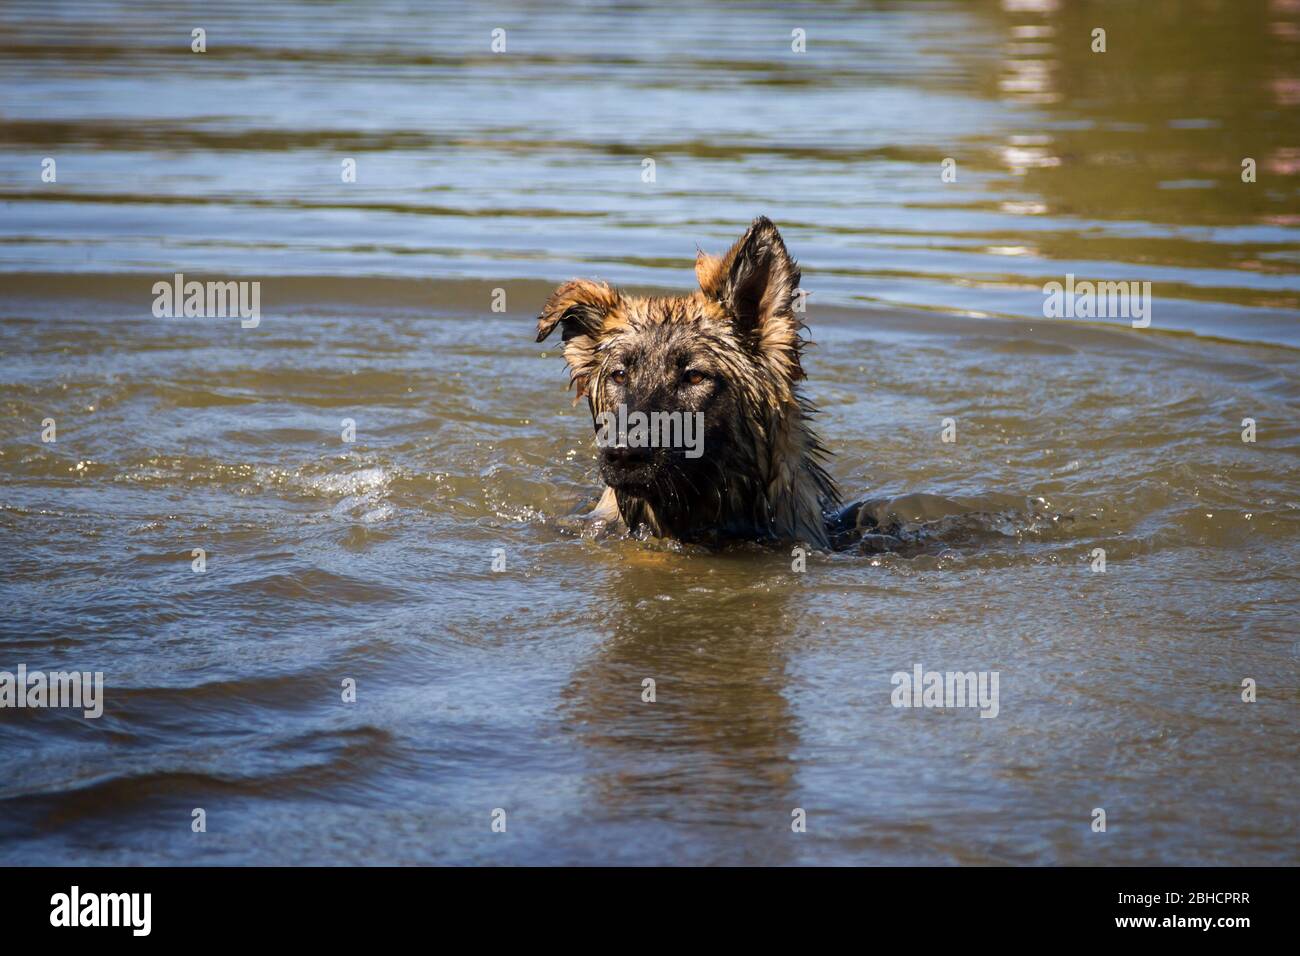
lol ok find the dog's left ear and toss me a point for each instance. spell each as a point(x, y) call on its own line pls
point(757, 282)
point(581, 308)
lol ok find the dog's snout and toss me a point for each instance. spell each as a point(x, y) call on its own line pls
point(627, 456)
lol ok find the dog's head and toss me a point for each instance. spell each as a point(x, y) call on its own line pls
point(727, 357)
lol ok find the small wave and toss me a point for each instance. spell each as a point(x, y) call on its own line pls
point(316, 586)
point(303, 764)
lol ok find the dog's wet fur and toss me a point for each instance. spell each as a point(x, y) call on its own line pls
point(733, 351)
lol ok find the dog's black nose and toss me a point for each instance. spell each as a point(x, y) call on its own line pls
point(627, 457)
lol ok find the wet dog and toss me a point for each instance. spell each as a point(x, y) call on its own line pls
point(727, 359)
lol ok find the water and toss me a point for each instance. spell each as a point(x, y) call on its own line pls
point(521, 689)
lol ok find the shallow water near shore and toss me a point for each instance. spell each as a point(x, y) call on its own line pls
point(522, 688)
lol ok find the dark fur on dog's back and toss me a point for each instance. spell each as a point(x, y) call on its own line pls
point(733, 351)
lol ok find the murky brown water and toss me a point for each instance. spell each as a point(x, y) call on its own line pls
point(522, 689)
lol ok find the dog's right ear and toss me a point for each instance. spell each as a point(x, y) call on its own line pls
point(583, 310)
point(580, 307)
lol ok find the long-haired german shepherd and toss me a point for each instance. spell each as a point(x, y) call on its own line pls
point(728, 356)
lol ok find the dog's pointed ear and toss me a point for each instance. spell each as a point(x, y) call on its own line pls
point(582, 309)
point(757, 282)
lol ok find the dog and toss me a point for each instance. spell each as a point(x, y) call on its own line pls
point(730, 357)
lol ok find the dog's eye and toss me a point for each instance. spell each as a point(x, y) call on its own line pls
point(618, 376)
point(694, 377)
